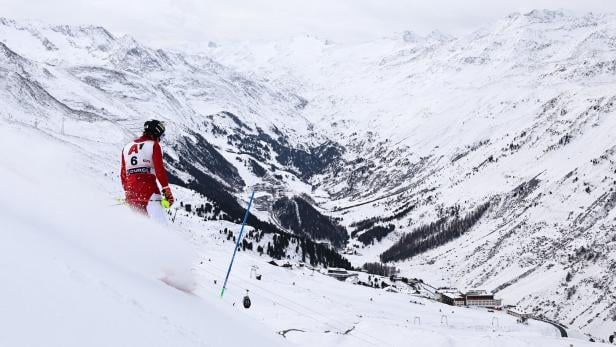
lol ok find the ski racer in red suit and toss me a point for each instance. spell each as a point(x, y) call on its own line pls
point(142, 166)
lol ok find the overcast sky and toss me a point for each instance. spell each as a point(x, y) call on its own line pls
point(175, 22)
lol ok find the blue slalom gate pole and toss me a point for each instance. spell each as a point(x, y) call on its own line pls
point(237, 244)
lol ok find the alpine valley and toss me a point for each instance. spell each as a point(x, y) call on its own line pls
point(483, 161)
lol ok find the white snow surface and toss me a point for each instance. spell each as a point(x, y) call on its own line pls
point(535, 91)
point(442, 121)
point(79, 271)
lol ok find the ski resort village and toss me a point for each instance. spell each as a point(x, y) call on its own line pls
point(412, 188)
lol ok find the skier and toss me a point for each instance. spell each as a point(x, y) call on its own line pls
point(142, 165)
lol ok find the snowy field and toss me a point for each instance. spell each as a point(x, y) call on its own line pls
point(79, 270)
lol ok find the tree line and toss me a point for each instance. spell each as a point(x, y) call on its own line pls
point(370, 222)
point(298, 215)
point(432, 235)
point(378, 232)
point(311, 252)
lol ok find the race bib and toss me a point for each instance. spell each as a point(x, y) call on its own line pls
point(138, 158)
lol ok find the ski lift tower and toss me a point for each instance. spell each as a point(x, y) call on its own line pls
point(254, 271)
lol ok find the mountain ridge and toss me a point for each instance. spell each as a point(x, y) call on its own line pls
point(519, 113)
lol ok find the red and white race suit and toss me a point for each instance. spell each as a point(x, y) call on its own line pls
point(142, 165)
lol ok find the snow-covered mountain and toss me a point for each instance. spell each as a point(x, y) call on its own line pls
point(78, 271)
point(503, 140)
point(228, 134)
point(519, 115)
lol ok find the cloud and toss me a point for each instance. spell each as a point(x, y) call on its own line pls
point(173, 22)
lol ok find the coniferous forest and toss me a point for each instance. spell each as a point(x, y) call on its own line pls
point(432, 235)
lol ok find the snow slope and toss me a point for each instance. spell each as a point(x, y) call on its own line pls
point(79, 271)
point(519, 114)
point(409, 129)
point(88, 87)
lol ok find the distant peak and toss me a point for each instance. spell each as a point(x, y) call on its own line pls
point(129, 41)
point(435, 36)
point(566, 18)
point(550, 16)
point(514, 15)
point(438, 35)
point(89, 30)
point(545, 14)
point(410, 36)
point(6, 21)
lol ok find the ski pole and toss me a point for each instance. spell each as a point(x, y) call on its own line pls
point(122, 201)
point(237, 244)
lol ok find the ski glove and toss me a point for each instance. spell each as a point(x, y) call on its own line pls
point(168, 195)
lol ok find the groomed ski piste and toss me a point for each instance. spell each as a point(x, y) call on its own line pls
point(80, 270)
